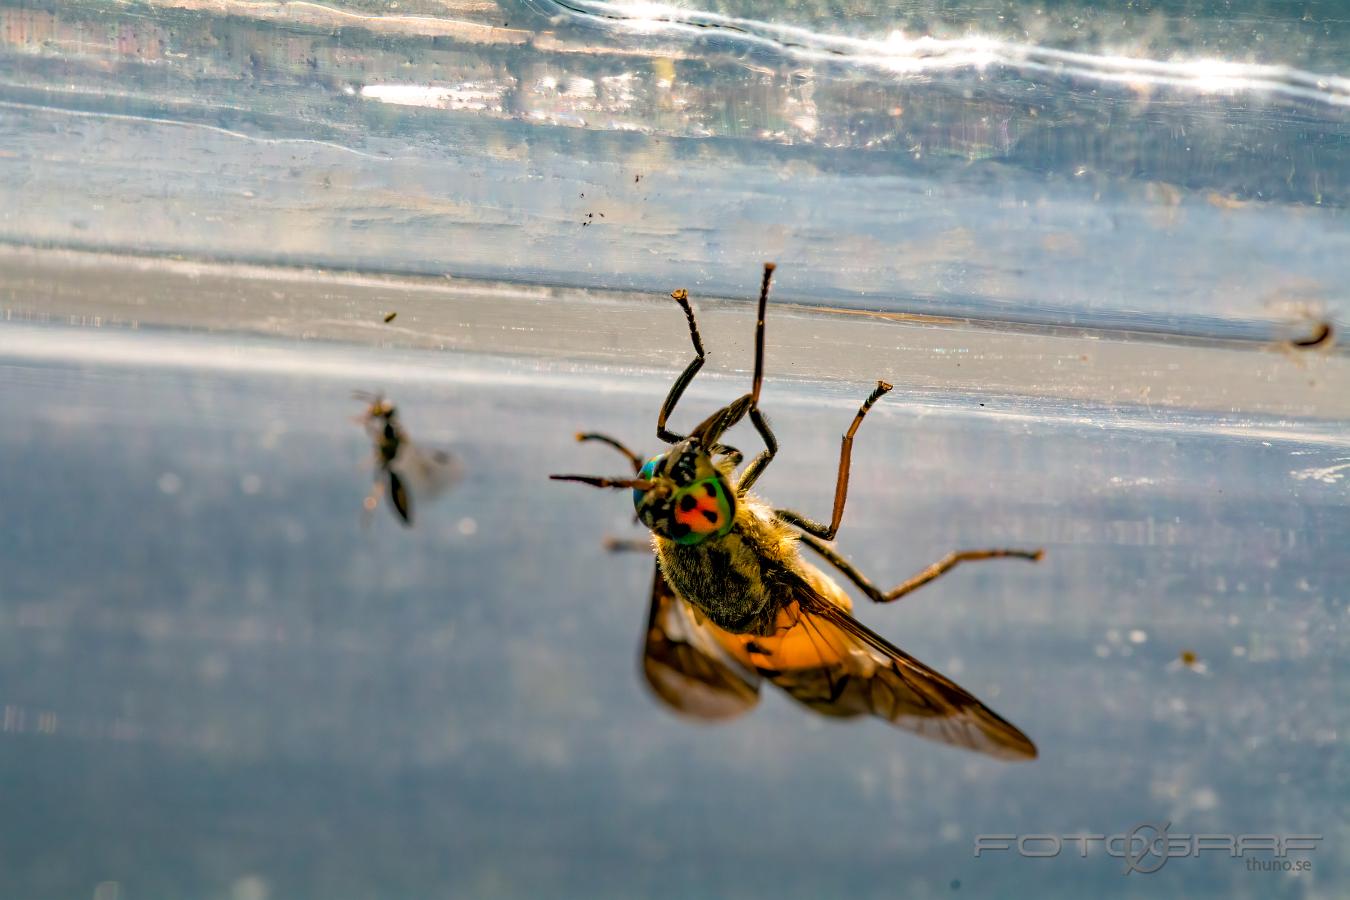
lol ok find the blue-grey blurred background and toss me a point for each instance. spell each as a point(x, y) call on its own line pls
point(1077, 237)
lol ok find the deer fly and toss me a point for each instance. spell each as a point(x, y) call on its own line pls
point(401, 466)
point(733, 602)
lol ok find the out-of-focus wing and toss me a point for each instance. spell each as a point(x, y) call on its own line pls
point(427, 473)
point(830, 662)
point(685, 663)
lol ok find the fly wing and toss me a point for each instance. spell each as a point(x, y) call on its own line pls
point(686, 664)
point(428, 472)
point(832, 663)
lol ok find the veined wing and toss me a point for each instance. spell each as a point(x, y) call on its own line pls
point(832, 663)
point(685, 664)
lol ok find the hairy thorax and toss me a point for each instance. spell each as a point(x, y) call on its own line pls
point(739, 581)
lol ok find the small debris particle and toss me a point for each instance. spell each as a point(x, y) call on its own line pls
point(1324, 335)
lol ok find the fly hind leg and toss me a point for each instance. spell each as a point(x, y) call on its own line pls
point(810, 526)
point(932, 573)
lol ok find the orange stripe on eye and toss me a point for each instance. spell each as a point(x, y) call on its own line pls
point(694, 516)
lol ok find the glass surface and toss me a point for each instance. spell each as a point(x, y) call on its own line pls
point(1082, 240)
point(214, 673)
point(1184, 165)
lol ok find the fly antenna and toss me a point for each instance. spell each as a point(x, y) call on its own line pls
point(637, 484)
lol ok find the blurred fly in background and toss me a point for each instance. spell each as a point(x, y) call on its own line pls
point(402, 467)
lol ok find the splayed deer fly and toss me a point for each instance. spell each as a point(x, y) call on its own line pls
point(734, 603)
